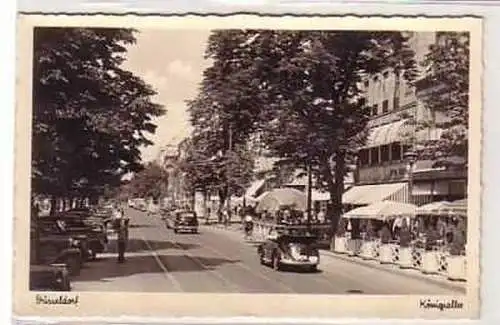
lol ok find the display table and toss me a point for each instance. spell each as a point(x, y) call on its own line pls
point(405, 257)
point(456, 267)
point(430, 262)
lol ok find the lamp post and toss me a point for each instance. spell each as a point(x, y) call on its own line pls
point(410, 157)
point(309, 196)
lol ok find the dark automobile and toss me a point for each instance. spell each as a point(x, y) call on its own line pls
point(94, 232)
point(53, 277)
point(54, 228)
point(286, 249)
point(49, 247)
point(185, 221)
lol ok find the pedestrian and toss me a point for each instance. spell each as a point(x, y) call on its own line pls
point(122, 239)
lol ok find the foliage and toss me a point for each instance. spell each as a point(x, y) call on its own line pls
point(300, 90)
point(151, 182)
point(313, 112)
point(447, 77)
point(90, 116)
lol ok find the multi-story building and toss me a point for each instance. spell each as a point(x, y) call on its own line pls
point(383, 170)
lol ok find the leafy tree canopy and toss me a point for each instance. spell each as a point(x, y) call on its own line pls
point(90, 116)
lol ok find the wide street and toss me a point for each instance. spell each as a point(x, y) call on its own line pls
point(217, 260)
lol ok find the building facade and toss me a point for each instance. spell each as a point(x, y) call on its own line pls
point(383, 168)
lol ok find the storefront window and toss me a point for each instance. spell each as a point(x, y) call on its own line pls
point(375, 156)
point(396, 151)
point(375, 110)
point(364, 158)
point(384, 150)
point(385, 106)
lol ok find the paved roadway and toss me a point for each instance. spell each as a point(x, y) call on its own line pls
point(220, 261)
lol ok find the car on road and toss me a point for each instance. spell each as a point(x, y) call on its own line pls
point(94, 233)
point(53, 277)
point(290, 249)
point(185, 221)
point(49, 247)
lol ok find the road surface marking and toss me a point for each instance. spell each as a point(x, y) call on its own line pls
point(245, 267)
point(203, 266)
point(167, 274)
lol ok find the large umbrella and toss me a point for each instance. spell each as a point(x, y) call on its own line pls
point(434, 208)
point(382, 210)
point(282, 197)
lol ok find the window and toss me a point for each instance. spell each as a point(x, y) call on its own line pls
point(406, 148)
point(384, 153)
point(396, 103)
point(364, 158)
point(375, 156)
point(385, 106)
point(362, 102)
point(375, 110)
point(367, 83)
point(396, 151)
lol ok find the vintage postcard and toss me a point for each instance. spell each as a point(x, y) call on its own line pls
point(248, 166)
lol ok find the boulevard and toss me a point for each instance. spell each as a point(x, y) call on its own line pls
point(220, 261)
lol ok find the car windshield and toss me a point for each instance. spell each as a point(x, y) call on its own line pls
point(186, 216)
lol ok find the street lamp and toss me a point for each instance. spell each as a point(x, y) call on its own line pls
point(410, 157)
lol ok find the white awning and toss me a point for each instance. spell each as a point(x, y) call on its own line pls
point(254, 187)
point(388, 133)
point(368, 194)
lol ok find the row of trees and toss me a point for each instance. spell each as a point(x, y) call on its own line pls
point(300, 91)
point(90, 115)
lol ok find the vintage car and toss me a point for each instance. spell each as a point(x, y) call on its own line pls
point(49, 247)
point(185, 221)
point(53, 277)
point(94, 233)
point(289, 249)
point(50, 227)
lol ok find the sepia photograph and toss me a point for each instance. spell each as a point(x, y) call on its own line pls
point(230, 158)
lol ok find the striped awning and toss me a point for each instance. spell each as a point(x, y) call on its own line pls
point(368, 194)
point(382, 211)
point(400, 131)
point(388, 133)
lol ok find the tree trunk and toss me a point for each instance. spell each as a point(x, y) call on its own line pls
point(336, 189)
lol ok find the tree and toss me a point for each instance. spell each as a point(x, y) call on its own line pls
point(447, 76)
point(224, 114)
point(151, 182)
point(90, 116)
point(315, 116)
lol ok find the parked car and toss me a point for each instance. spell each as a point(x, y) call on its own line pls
point(285, 249)
point(53, 277)
point(53, 228)
point(94, 232)
point(51, 247)
point(185, 221)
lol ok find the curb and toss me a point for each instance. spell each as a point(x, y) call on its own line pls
point(390, 268)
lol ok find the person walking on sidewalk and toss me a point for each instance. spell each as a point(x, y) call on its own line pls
point(122, 238)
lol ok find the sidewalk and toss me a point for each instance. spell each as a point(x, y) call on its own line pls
point(391, 268)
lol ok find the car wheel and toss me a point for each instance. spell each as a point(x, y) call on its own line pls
point(313, 268)
point(261, 257)
point(74, 266)
point(93, 254)
point(276, 262)
point(176, 231)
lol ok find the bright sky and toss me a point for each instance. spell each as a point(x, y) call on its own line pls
point(172, 62)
